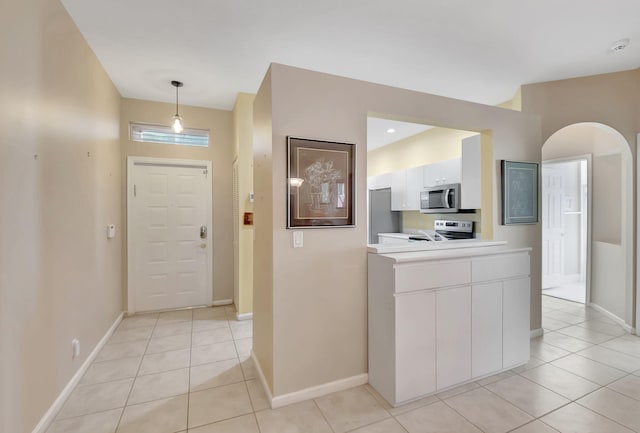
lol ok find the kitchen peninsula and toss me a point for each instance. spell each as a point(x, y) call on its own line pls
point(443, 314)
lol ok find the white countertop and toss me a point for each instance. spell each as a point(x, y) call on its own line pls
point(432, 246)
point(419, 256)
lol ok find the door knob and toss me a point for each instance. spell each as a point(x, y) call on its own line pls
point(203, 232)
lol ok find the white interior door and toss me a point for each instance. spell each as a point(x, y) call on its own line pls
point(552, 230)
point(169, 235)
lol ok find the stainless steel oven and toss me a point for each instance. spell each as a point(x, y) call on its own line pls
point(440, 199)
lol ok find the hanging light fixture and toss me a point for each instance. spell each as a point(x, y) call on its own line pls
point(176, 124)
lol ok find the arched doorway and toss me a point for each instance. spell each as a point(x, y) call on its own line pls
point(609, 237)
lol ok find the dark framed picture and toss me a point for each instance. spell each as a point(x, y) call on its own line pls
point(519, 192)
point(320, 183)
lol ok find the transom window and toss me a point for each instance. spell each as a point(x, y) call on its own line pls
point(165, 135)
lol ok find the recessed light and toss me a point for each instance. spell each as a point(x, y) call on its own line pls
point(390, 131)
point(619, 45)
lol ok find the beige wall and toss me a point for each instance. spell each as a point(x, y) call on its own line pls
point(263, 246)
point(609, 99)
point(243, 143)
point(220, 152)
point(319, 292)
point(60, 278)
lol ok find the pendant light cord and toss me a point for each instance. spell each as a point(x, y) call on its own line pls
point(176, 100)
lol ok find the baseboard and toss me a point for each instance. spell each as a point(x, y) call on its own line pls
point(222, 302)
point(263, 380)
point(319, 390)
point(307, 393)
point(535, 333)
point(244, 316)
point(51, 414)
point(613, 317)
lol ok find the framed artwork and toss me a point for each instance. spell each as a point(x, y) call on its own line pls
point(519, 192)
point(320, 183)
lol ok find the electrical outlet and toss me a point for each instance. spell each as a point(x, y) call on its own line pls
point(75, 346)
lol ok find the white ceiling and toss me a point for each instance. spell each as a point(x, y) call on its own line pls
point(377, 135)
point(474, 50)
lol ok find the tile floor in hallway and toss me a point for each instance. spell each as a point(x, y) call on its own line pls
point(190, 371)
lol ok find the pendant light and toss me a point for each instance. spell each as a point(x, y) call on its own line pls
point(176, 124)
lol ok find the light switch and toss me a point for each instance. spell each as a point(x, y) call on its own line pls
point(298, 239)
point(111, 231)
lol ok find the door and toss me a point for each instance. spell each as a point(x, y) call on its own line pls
point(516, 321)
point(415, 345)
point(453, 336)
point(486, 325)
point(564, 228)
point(169, 234)
point(552, 230)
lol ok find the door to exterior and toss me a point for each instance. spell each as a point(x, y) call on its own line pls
point(169, 234)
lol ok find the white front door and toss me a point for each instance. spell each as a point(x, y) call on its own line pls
point(169, 234)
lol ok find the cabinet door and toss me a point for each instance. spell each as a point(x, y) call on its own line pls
point(380, 181)
point(430, 174)
point(449, 171)
point(398, 190)
point(453, 336)
point(515, 317)
point(415, 345)
point(413, 188)
point(486, 328)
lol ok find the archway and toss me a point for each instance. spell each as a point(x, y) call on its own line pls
point(610, 230)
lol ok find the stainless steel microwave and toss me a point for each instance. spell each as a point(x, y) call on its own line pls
point(440, 199)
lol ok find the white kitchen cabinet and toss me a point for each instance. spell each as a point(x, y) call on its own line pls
point(471, 173)
point(515, 315)
point(379, 181)
point(437, 322)
point(415, 334)
point(441, 173)
point(486, 325)
point(453, 336)
point(405, 189)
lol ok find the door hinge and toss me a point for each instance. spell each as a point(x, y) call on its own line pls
point(134, 190)
point(205, 172)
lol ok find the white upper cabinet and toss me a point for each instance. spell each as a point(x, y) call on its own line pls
point(405, 189)
point(380, 181)
point(441, 173)
point(471, 174)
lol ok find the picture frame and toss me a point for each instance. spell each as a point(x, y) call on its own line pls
point(519, 192)
point(320, 183)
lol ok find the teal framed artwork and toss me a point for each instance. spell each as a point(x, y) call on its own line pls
point(519, 192)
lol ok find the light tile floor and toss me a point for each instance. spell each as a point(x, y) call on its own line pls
point(191, 371)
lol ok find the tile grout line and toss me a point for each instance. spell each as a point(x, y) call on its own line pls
point(461, 415)
point(324, 417)
point(531, 415)
point(186, 423)
point(136, 376)
point(603, 416)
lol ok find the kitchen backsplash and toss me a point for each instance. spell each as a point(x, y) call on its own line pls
point(420, 221)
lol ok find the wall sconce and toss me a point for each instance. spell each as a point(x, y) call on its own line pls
point(296, 182)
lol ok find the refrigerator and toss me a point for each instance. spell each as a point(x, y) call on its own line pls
point(381, 218)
